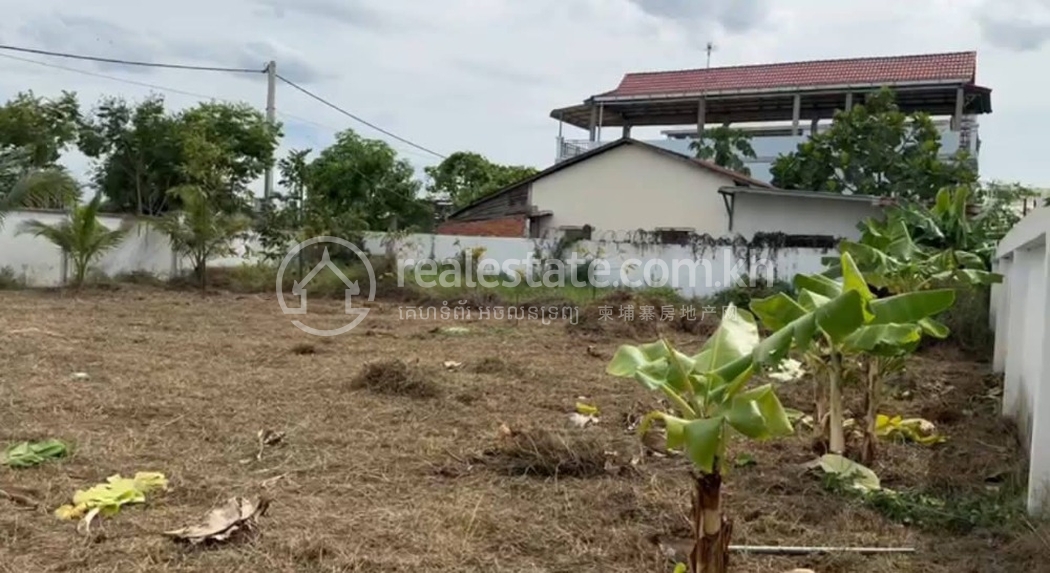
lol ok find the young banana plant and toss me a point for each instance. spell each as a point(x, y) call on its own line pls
point(707, 408)
point(890, 328)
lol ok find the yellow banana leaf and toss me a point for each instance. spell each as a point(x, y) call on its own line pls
point(107, 498)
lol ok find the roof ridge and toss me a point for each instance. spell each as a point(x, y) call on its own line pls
point(795, 63)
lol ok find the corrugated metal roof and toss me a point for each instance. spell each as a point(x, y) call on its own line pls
point(949, 67)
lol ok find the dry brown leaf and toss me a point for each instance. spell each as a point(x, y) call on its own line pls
point(237, 515)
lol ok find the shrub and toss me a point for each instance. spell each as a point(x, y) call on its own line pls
point(970, 321)
point(9, 280)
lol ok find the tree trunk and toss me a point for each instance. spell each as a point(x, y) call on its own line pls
point(837, 436)
point(201, 268)
point(872, 398)
point(711, 529)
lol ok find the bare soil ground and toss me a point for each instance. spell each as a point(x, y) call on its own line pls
point(418, 480)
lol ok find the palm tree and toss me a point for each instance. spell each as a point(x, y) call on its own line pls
point(81, 236)
point(200, 230)
point(22, 188)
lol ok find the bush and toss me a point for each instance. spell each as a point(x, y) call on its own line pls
point(969, 320)
point(9, 280)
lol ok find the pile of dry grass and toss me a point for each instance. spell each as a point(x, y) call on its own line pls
point(545, 453)
point(397, 378)
point(497, 366)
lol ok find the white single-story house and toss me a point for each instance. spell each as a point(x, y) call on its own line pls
point(628, 185)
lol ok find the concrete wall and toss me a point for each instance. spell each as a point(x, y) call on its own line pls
point(694, 270)
point(1022, 340)
point(630, 188)
point(760, 213)
point(699, 268)
point(39, 263)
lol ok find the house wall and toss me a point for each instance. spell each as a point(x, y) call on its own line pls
point(630, 188)
point(1022, 336)
point(792, 215)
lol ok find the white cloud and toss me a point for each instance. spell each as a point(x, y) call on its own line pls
point(484, 74)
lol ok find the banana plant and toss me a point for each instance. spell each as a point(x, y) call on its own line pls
point(890, 329)
point(891, 260)
point(711, 400)
point(707, 408)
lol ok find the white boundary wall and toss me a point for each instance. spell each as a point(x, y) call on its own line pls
point(699, 270)
point(1021, 307)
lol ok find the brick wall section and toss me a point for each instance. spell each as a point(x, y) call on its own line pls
point(503, 227)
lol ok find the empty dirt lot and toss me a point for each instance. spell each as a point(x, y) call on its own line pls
point(419, 479)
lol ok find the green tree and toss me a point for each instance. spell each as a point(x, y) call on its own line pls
point(225, 147)
point(138, 153)
point(141, 151)
point(726, 147)
point(82, 238)
point(874, 149)
point(41, 127)
point(360, 184)
point(465, 177)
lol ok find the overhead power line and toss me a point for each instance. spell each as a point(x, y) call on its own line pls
point(159, 87)
point(130, 62)
point(357, 118)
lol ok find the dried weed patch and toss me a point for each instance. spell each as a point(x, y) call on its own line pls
point(397, 378)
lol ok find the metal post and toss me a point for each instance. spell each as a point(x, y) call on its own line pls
point(626, 130)
point(271, 113)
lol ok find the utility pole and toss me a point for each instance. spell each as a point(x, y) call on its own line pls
point(271, 117)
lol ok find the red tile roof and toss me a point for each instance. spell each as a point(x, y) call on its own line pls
point(950, 67)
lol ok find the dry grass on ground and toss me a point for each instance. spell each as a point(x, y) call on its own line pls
point(368, 480)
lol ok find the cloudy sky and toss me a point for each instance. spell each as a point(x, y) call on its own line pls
point(483, 75)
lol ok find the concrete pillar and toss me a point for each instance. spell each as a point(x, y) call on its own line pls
point(1000, 303)
point(1039, 465)
point(849, 101)
point(1013, 380)
point(960, 100)
point(813, 126)
point(701, 117)
point(601, 118)
point(593, 122)
point(796, 109)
